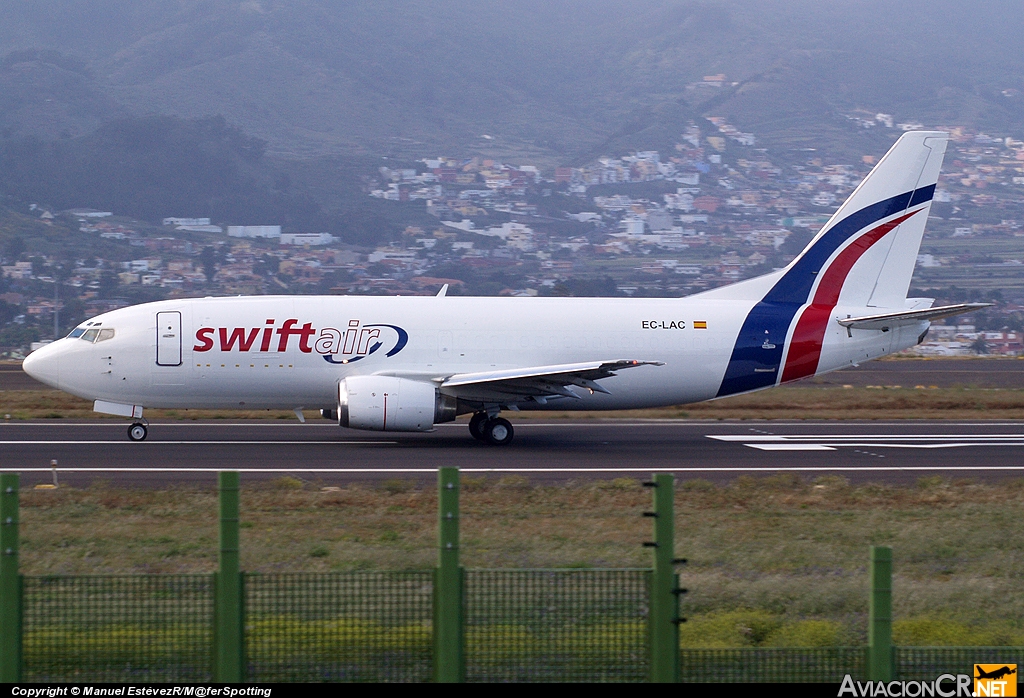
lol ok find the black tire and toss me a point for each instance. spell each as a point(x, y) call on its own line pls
point(138, 432)
point(476, 426)
point(499, 431)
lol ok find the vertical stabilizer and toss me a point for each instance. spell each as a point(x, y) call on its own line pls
point(867, 250)
point(893, 281)
point(864, 256)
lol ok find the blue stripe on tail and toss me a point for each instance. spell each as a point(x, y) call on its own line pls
point(757, 357)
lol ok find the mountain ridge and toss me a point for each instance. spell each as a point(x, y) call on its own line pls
point(317, 78)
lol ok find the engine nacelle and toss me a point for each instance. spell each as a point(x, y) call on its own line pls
point(386, 403)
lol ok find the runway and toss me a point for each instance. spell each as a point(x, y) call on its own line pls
point(192, 452)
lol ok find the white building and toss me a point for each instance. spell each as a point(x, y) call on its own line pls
point(195, 225)
point(87, 213)
point(633, 226)
point(393, 254)
point(465, 225)
point(19, 270)
point(254, 231)
point(306, 238)
point(186, 221)
point(585, 217)
point(506, 230)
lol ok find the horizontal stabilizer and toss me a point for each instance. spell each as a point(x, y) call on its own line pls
point(887, 321)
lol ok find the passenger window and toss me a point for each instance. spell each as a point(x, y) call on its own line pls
point(90, 335)
point(75, 333)
point(105, 334)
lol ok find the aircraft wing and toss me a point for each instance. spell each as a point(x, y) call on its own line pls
point(906, 317)
point(536, 382)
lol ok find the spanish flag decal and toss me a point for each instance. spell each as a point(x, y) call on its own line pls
point(700, 324)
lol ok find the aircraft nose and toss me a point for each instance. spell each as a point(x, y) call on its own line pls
point(44, 365)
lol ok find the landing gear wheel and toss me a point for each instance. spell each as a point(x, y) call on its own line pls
point(498, 431)
point(137, 432)
point(476, 426)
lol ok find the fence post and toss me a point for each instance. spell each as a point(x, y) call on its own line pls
point(10, 581)
point(880, 654)
point(449, 662)
point(664, 612)
point(227, 608)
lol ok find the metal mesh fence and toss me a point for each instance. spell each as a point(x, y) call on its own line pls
point(346, 626)
point(771, 665)
point(926, 663)
point(521, 625)
point(118, 628)
point(556, 625)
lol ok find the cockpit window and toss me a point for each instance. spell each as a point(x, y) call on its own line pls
point(77, 332)
point(94, 335)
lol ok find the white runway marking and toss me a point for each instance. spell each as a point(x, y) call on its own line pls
point(791, 447)
point(872, 437)
point(830, 442)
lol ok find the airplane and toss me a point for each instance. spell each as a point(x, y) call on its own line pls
point(995, 674)
point(409, 363)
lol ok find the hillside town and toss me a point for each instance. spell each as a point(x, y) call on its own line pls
point(713, 209)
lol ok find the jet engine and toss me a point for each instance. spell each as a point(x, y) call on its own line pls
point(387, 403)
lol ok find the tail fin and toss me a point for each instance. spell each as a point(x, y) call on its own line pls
point(867, 250)
point(864, 256)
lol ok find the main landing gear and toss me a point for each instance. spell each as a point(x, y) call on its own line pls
point(137, 432)
point(493, 430)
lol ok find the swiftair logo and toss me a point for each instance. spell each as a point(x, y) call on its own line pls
point(355, 342)
point(995, 680)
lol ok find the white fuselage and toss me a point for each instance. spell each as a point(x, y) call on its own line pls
point(285, 367)
point(409, 363)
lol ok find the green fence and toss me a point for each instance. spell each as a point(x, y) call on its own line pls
point(521, 625)
point(143, 628)
point(925, 663)
point(772, 665)
point(831, 664)
point(446, 624)
point(556, 625)
point(347, 626)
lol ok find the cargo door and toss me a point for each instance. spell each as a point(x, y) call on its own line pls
point(168, 339)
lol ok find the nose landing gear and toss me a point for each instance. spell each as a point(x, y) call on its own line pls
point(492, 430)
point(137, 432)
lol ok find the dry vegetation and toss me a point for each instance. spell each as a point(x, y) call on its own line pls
point(776, 552)
point(773, 561)
point(780, 403)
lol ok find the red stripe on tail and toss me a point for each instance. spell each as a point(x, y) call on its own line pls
point(805, 347)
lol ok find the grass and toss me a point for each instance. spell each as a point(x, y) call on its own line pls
point(773, 561)
point(790, 402)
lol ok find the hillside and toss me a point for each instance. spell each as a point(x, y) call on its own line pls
point(150, 167)
point(558, 80)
